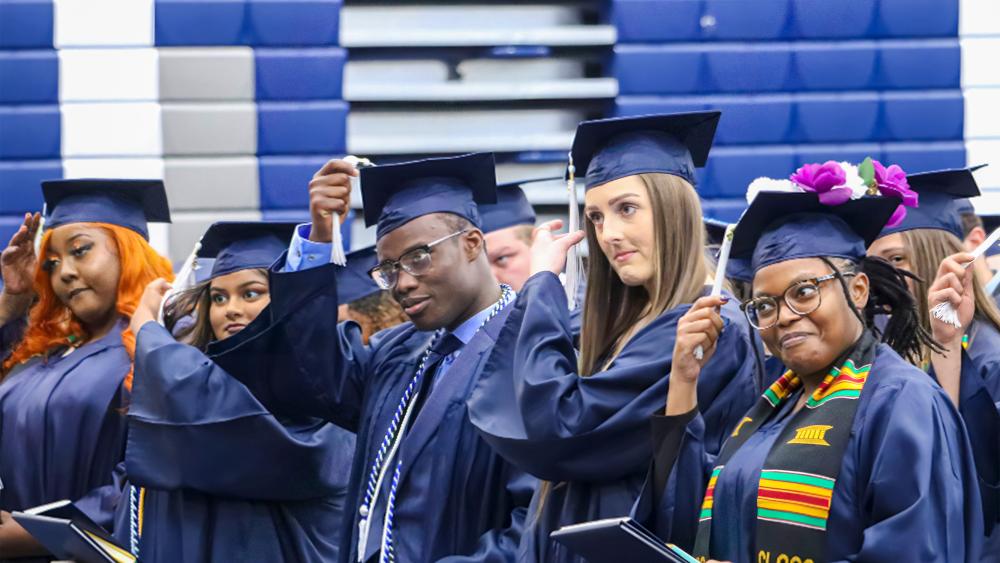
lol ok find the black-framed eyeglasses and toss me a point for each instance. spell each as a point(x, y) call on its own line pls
point(802, 297)
point(415, 262)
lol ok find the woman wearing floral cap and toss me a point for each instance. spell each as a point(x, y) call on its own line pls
point(853, 454)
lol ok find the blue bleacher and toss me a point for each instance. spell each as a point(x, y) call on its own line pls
point(728, 210)
point(728, 20)
point(850, 118)
point(921, 64)
point(836, 66)
point(26, 24)
point(20, 184)
point(29, 132)
point(300, 74)
point(29, 77)
point(247, 22)
point(843, 19)
point(918, 18)
point(293, 22)
point(284, 180)
point(199, 22)
point(786, 67)
point(853, 117)
point(8, 226)
point(662, 21)
point(922, 157)
point(318, 128)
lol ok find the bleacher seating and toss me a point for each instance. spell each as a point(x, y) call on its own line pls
point(236, 103)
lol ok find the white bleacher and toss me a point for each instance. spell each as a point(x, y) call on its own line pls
point(375, 132)
point(468, 25)
point(479, 80)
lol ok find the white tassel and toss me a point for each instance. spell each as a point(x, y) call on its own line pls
point(185, 279)
point(945, 313)
point(574, 263)
point(338, 254)
point(41, 229)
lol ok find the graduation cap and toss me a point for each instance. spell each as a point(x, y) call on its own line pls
point(780, 226)
point(512, 207)
point(677, 143)
point(241, 245)
point(353, 281)
point(127, 203)
point(737, 268)
point(942, 198)
point(399, 193)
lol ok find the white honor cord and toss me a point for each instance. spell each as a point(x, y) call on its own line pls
point(720, 276)
point(364, 526)
point(945, 312)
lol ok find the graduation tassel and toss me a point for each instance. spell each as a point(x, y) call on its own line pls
point(338, 255)
point(574, 264)
point(944, 311)
point(41, 228)
point(720, 276)
point(185, 279)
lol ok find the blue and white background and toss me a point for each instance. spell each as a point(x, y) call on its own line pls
point(235, 103)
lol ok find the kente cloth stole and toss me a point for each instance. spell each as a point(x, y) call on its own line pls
point(799, 473)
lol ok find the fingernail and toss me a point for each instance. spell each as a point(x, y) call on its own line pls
point(725, 299)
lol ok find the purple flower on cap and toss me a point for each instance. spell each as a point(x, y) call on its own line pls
point(892, 182)
point(827, 180)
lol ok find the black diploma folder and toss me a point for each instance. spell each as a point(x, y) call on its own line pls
point(617, 540)
point(68, 533)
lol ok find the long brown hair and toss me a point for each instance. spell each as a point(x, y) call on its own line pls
point(612, 309)
point(926, 249)
point(51, 323)
point(680, 268)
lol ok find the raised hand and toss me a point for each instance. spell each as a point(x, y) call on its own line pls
point(549, 250)
point(953, 284)
point(149, 304)
point(700, 326)
point(329, 194)
point(18, 260)
point(17, 267)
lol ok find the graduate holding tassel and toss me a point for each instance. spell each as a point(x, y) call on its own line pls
point(854, 454)
point(214, 476)
point(582, 426)
point(67, 348)
point(424, 485)
point(928, 243)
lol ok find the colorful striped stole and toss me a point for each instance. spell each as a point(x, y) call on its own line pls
point(799, 474)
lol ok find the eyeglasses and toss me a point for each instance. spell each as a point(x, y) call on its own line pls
point(415, 262)
point(802, 298)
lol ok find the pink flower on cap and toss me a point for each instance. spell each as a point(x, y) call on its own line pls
point(892, 182)
point(827, 180)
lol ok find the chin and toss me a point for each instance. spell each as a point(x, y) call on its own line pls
point(631, 277)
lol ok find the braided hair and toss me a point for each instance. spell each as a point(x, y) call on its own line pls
point(888, 294)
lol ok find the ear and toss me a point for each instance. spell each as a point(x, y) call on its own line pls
point(473, 244)
point(975, 237)
point(859, 286)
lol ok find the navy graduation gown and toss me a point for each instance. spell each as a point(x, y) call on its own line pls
point(979, 390)
point(906, 490)
point(589, 436)
point(225, 479)
point(457, 499)
point(62, 427)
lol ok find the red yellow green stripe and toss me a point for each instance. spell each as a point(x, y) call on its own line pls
point(706, 505)
point(798, 499)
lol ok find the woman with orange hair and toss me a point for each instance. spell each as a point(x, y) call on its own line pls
point(67, 349)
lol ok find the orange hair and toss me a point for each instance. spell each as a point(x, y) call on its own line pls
point(50, 322)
